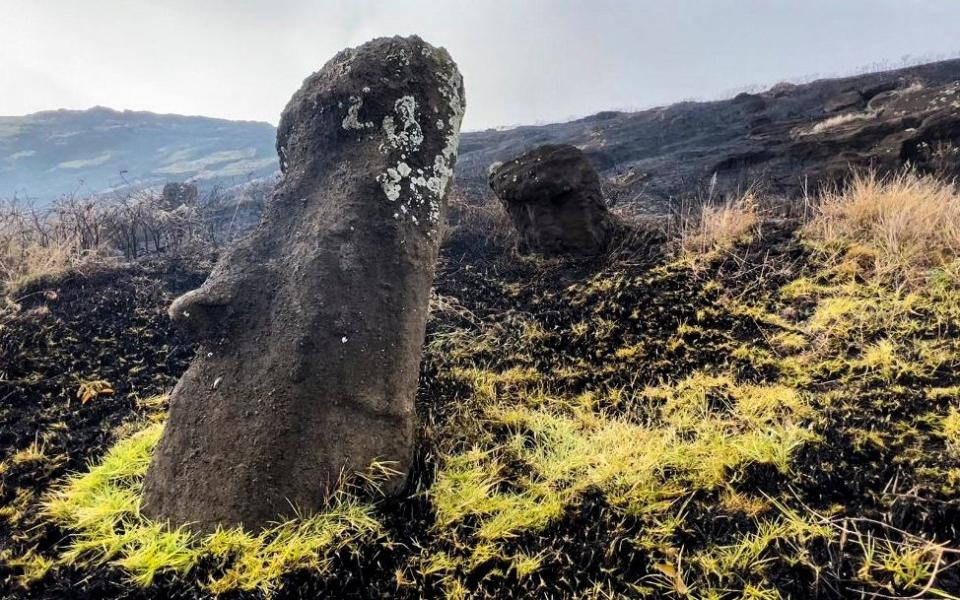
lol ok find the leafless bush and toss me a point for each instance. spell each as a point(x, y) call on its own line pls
point(37, 241)
point(485, 219)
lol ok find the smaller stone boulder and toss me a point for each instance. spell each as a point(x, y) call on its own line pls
point(553, 197)
point(174, 194)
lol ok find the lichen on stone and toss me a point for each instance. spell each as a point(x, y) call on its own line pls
point(403, 134)
point(352, 119)
point(401, 57)
point(390, 182)
point(410, 135)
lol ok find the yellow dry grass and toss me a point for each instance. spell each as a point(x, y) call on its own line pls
point(907, 224)
point(720, 227)
point(20, 264)
point(700, 434)
point(839, 120)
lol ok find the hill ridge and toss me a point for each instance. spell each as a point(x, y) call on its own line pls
point(649, 157)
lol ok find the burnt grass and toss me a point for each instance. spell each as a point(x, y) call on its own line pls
point(107, 323)
point(110, 324)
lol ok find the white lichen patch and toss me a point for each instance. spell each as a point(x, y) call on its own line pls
point(390, 182)
point(401, 57)
point(403, 134)
point(410, 135)
point(342, 63)
point(352, 119)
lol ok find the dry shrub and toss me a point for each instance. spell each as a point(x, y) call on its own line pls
point(71, 232)
point(911, 223)
point(485, 219)
point(30, 249)
point(720, 227)
point(20, 264)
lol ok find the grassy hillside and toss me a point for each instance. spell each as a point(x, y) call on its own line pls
point(750, 408)
point(63, 152)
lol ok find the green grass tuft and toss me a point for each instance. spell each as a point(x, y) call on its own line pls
point(102, 508)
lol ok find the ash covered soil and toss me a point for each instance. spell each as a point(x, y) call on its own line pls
point(631, 426)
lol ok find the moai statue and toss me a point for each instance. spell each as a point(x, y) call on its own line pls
point(311, 329)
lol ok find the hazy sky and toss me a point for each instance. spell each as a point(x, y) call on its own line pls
point(524, 61)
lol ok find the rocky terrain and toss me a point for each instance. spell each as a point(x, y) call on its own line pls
point(787, 139)
point(784, 140)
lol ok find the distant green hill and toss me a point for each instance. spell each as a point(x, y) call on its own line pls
point(48, 154)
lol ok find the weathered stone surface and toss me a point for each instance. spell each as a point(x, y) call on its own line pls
point(553, 197)
point(312, 327)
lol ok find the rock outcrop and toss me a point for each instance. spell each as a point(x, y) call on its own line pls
point(783, 142)
point(311, 328)
point(553, 197)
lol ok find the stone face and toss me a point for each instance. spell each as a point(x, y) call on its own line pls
point(553, 197)
point(311, 328)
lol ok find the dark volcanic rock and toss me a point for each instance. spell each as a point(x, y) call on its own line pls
point(312, 327)
point(917, 126)
point(653, 158)
point(553, 197)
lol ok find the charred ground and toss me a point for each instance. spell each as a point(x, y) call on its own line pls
point(521, 350)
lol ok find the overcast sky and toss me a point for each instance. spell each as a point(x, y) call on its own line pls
point(524, 61)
